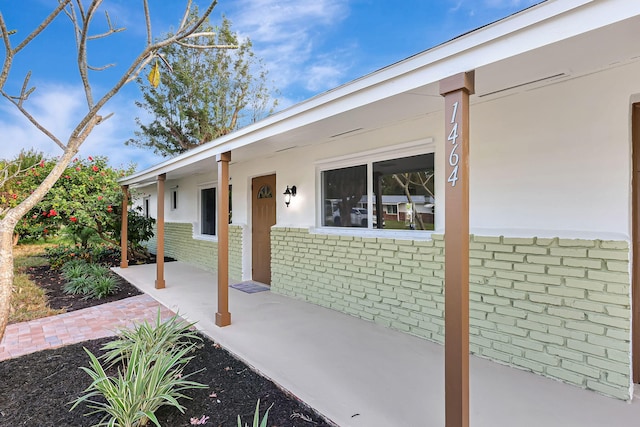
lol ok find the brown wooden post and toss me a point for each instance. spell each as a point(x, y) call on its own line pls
point(160, 283)
point(223, 317)
point(124, 261)
point(456, 90)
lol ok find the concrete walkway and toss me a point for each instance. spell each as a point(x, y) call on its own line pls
point(357, 373)
point(77, 326)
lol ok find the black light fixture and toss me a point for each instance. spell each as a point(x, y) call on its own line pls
point(288, 193)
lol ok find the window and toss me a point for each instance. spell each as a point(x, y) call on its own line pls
point(208, 211)
point(145, 207)
point(342, 191)
point(174, 199)
point(402, 194)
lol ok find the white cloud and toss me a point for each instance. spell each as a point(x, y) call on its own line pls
point(320, 76)
point(59, 108)
point(287, 33)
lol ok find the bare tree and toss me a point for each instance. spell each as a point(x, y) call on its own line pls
point(81, 14)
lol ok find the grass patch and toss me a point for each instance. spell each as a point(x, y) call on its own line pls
point(28, 301)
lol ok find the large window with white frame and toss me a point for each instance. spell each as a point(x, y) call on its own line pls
point(386, 192)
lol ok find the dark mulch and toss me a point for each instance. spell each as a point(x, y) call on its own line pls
point(36, 389)
point(52, 282)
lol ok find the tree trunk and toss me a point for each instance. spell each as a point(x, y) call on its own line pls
point(13, 215)
point(6, 272)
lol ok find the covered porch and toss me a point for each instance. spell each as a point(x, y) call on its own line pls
point(358, 373)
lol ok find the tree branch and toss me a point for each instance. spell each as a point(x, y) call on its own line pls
point(112, 30)
point(33, 120)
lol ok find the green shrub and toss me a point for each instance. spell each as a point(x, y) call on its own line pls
point(79, 286)
point(75, 268)
point(97, 270)
point(170, 335)
point(103, 286)
point(146, 380)
point(256, 417)
point(105, 254)
point(90, 280)
point(62, 254)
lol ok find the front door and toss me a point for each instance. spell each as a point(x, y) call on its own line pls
point(263, 218)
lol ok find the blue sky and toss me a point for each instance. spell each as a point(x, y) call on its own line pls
point(308, 46)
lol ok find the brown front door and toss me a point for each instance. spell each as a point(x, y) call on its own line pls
point(635, 270)
point(263, 217)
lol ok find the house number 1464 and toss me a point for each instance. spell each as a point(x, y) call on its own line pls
point(454, 158)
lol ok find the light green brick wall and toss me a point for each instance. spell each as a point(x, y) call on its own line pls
point(557, 307)
point(235, 251)
point(180, 245)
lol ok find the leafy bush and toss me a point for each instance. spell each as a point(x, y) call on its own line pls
point(97, 270)
point(62, 254)
point(79, 286)
point(145, 381)
point(105, 254)
point(103, 286)
point(74, 269)
point(90, 280)
point(173, 334)
point(256, 417)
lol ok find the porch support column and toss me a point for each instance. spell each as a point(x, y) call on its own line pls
point(456, 90)
point(124, 261)
point(160, 283)
point(223, 317)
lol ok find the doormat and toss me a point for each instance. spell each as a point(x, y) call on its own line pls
point(250, 287)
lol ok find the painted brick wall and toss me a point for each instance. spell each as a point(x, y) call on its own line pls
point(560, 308)
point(236, 233)
point(180, 245)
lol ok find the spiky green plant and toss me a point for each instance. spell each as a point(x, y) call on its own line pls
point(75, 268)
point(98, 270)
point(79, 285)
point(256, 417)
point(147, 381)
point(103, 286)
point(171, 335)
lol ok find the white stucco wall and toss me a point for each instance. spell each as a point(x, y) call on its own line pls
point(548, 162)
point(556, 160)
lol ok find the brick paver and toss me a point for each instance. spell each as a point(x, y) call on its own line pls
point(77, 326)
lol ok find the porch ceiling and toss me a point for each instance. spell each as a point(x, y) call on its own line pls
point(404, 91)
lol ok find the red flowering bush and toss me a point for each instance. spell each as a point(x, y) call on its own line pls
point(83, 199)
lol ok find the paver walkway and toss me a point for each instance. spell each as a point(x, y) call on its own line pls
point(77, 326)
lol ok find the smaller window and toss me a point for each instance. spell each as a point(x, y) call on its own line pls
point(391, 209)
point(174, 198)
point(145, 206)
point(208, 211)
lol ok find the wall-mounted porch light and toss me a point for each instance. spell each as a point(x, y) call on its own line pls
point(288, 193)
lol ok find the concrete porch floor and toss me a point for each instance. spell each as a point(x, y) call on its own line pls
point(357, 373)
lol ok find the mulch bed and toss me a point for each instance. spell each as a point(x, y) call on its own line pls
point(36, 389)
point(52, 282)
